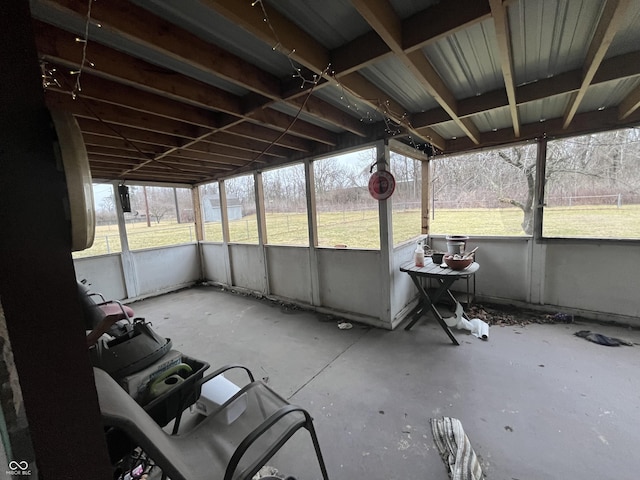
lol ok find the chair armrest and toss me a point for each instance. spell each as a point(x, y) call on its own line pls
point(260, 430)
point(98, 294)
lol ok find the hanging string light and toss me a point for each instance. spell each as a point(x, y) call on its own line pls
point(77, 88)
point(48, 74)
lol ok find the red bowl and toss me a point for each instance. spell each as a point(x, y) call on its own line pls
point(457, 264)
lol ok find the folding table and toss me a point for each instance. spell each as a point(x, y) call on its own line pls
point(444, 277)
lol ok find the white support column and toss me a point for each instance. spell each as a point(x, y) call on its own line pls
point(537, 248)
point(225, 231)
point(199, 226)
point(262, 227)
point(128, 262)
point(313, 232)
point(385, 213)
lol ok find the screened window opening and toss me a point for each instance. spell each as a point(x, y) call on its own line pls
point(241, 209)
point(347, 215)
point(484, 193)
point(211, 212)
point(285, 204)
point(593, 186)
point(407, 198)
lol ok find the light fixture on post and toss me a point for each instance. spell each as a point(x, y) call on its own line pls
point(123, 191)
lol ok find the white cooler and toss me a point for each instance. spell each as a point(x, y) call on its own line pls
point(215, 393)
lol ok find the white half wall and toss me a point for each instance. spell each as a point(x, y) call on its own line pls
point(350, 282)
point(104, 274)
point(159, 270)
point(214, 262)
point(247, 267)
point(290, 273)
point(597, 277)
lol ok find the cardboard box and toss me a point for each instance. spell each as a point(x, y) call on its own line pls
point(215, 393)
point(137, 384)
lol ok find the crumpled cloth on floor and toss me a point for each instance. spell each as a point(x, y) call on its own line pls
point(455, 449)
point(602, 339)
point(477, 327)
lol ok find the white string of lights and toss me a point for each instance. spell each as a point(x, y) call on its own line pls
point(394, 123)
point(77, 88)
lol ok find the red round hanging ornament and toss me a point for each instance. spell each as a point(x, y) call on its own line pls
point(381, 185)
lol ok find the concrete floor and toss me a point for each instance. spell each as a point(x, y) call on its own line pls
point(536, 402)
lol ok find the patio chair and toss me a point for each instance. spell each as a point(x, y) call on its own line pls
point(96, 311)
point(212, 449)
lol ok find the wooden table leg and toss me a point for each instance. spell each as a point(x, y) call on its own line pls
point(429, 302)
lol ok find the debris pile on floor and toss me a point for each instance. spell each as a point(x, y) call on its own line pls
point(504, 315)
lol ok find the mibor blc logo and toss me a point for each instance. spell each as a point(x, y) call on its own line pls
point(18, 468)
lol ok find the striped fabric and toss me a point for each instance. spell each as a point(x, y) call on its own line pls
point(455, 449)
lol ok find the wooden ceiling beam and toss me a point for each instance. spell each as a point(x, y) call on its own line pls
point(358, 54)
point(622, 66)
point(120, 115)
point(114, 131)
point(442, 20)
point(501, 24)
point(218, 158)
point(584, 123)
point(297, 44)
point(323, 110)
point(143, 27)
point(629, 104)
point(383, 19)
point(60, 47)
point(117, 152)
point(133, 163)
point(252, 133)
point(286, 123)
point(248, 145)
point(188, 160)
point(610, 21)
point(91, 139)
point(291, 40)
point(101, 89)
point(208, 148)
point(422, 28)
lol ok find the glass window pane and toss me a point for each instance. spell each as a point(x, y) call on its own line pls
point(407, 197)
point(107, 238)
point(156, 217)
point(347, 215)
point(285, 204)
point(241, 209)
point(484, 193)
point(593, 186)
point(211, 215)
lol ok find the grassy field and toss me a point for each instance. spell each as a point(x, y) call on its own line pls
point(360, 229)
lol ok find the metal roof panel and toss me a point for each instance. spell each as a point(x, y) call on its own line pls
point(550, 36)
point(392, 76)
point(468, 60)
point(607, 94)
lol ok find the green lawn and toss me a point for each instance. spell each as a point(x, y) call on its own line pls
point(360, 229)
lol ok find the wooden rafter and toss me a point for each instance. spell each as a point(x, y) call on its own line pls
point(622, 66)
point(501, 24)
point(294, 42)
point(629, 104)
point(382, 18)
point(151, 32)
point(609, 23)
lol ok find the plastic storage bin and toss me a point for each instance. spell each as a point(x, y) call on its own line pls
point(165, 408)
